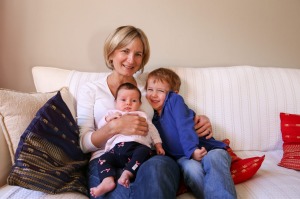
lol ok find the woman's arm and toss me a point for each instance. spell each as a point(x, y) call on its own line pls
point(203, 126)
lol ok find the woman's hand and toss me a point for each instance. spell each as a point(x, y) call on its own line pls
point(130, 124)
point(203, 126)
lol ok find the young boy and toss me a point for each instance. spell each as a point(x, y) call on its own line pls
point(125, 151)
point(174, 121)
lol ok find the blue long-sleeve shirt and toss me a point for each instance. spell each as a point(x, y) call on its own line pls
point(176, 128)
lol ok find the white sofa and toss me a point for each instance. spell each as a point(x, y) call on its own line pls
point(243, 104)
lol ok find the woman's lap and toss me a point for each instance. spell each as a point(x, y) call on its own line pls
point(158, 177)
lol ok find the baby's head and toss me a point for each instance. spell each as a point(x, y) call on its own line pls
point(128, 98)
point(158, 85)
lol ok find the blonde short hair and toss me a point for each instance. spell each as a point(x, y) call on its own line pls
point(166, 75)
point(121, 37)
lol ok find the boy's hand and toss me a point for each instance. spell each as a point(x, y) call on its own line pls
point(199, 154)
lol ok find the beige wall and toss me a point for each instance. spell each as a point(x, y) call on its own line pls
point(192, 33)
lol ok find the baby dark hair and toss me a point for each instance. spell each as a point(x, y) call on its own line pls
point(166, 75)
point(129, 86)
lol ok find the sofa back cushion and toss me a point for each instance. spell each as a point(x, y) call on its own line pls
point(242, 102)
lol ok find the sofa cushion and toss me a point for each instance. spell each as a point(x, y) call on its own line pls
point(48, 157)
point(17, 109)
point(290, 128)
point(243, 102)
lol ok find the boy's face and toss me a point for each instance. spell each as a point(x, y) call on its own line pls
point(156, 93)
point(128, 100)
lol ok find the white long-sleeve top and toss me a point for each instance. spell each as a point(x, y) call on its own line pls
point(152, 137)
point(93, 101)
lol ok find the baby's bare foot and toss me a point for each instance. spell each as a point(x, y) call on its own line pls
point(125, 178)
point(107, 184)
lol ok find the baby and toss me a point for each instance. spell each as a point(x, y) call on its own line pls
point(124, 151)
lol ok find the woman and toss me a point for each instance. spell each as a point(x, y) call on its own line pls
point(126, 51)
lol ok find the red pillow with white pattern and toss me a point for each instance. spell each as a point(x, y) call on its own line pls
point(290, 129)
point(242, 169)
point(229, 150)
point(245, 169)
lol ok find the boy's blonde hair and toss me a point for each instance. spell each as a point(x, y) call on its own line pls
point(166, 75)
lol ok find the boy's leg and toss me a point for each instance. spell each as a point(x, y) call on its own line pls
point(193, 175)
point(218, 181)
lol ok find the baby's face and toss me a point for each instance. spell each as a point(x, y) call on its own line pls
point(128, 100)
point(156, 93)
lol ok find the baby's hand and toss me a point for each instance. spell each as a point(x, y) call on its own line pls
point(199, 154)
point(113, 116)
point(159, 149)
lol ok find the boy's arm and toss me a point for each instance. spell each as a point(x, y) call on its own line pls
point(184, 120)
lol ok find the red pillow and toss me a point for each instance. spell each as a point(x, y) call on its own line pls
point(244, 169)
point(290, 129)
point(233, 156)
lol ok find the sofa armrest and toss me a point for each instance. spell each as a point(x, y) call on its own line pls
point(5, 160)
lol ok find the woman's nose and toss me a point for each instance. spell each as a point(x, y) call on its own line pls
point(130, 58)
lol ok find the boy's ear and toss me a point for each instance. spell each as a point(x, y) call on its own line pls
point(176, 91)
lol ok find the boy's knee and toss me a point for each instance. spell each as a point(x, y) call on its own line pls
point(217, 155)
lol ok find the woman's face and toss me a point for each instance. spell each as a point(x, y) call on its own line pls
point(128, 60)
